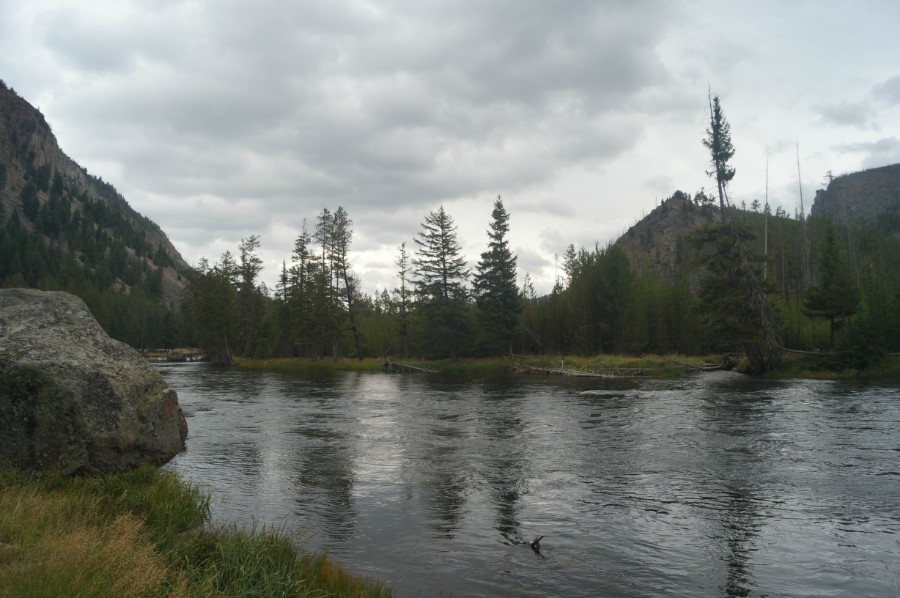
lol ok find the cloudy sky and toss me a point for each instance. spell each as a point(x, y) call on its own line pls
point(222, 119)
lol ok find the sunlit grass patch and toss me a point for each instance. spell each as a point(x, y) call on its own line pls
point(142, 533)
point(300, 364)
point(657, 366)
point(59, 545)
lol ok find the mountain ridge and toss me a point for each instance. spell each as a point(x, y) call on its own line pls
point(45, 190)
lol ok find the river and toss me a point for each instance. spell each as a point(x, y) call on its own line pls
point(713, 485)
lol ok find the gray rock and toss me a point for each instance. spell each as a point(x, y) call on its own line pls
point(74, 400)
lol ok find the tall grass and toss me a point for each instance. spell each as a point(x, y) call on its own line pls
point(297, 364)
point(821, 367)
point(142, 533)
point(649, 365)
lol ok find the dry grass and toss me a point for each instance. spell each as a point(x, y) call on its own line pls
point(56, 546)
point(140, 534)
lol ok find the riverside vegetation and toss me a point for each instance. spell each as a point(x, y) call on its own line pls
point(826, 283)
point(145, 533)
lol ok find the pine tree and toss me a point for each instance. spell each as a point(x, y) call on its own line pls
point(250, 312)
point(327, 299)
point(440, 281)
point(836, 297)
point(496, 294)
point(404, 295)
point(300, 290)
point(211, 301)
point(718, 142)
point(347, 282)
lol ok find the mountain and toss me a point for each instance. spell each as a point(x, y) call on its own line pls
point(64, 228)
point(864, 201)
point(659, 242)
point(870, 197)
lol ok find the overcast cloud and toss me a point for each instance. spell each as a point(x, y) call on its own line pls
point(223, 119)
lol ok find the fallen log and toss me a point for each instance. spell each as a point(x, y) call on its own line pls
point(390, 366)
point(524, 369)
point(709, 367)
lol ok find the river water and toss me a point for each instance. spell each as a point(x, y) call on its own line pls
point(715, 485)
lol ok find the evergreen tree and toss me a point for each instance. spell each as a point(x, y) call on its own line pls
point(29, 199)
point(327, 300)
point(729, 316)
point(496, 295)
point(718, 142)
point(404, 296)
point(441, 275)
point(836, 297)
point(211, 300)
point(299, 294)
point(250, 314)
point(347, 282)
point(616, 285)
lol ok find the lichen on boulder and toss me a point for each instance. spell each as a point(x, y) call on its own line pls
point(73, 400)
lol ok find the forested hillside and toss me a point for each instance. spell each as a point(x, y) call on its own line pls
point(833, 288)
point(64, 229)
point(693, 277)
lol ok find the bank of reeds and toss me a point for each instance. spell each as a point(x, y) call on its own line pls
point(299, 364)
point(144, 533)
point(654, 366)
point(822, 367)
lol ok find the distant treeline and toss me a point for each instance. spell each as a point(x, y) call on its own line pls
point(833, 288)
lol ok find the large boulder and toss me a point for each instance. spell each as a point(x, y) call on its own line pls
point(73, 400)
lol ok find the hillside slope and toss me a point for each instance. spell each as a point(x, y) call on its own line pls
point(46, 194)
point(870, 197)
point(659, 241)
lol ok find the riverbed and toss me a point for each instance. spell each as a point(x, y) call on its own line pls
point(712, 485)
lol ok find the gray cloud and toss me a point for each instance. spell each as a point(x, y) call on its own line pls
point(855, 114)
point(882, 152)
point(371, 107)
point(224, 119)
point(888, 91)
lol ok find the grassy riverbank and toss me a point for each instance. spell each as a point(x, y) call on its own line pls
point(646, 366)
point(823, 367)
point(653, 366)
point(143, 533)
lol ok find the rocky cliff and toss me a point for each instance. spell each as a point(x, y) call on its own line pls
point(52, 196)
point(71, 398)
point(659, 241)
point(870, 197)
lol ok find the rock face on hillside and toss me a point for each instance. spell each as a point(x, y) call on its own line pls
point(65, 197)
point(659, 241)
point(870, 197)
point(72, 399)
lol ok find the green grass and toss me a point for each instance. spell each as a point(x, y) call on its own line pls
point(670, 366)
point(821, 368)
point(143, 533)
point(296, 364)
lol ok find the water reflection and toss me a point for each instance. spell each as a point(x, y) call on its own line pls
point(710, 486)
point(506, 464)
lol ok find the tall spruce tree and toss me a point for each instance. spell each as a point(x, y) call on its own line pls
point(718, 142)
point(403, 296)
point(347, 282)
point(211, 301)
point(732, 293)
point(441, 274)
point(496, 294)
point(250, 307)
point(836, 297)
point(301, 276)
point(327, 303)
